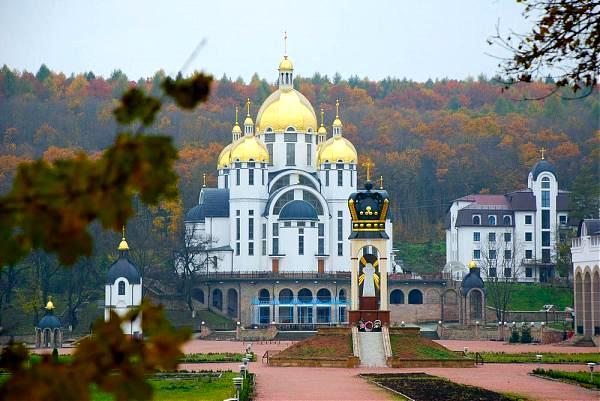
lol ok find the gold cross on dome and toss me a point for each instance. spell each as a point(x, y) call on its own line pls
point(542, 150)
point(204, 179)
point(368, 164)
point(236, 115)
point(123, 229)
point(285, 43)
point(380, 182)
point(248, 106)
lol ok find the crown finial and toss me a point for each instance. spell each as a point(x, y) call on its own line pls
point(542, 150)
point(337, 108)
point(248, 107)
point(368, 164)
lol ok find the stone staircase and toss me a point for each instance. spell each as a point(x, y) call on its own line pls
point(372, 351)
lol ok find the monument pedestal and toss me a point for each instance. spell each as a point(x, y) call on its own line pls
point(354, 316)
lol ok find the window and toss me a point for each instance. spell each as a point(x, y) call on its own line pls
point(308, 137)
point(528, 236)
point(507, 272)
point(507, 220)
point(545, 198)
point(262, 173)
point(290, 137)
point(528, 254)
point(415, 297)
point(290, 151)
point(340, 248)
point(476, 236)
point(321, 229)
point(396, 297)
point(251, 176)
point(121, 288)
point(340, 229)
point(563, 220)
point(545, 219)
point(251, 227)
point(545, 255)
point(477, 220)
point(492, 220)
point(301, 244)
point(237, 249)
point(287, 223)
point(528, 219)
point(314, 201)
point(283, 199)
point(321, 250)
point(327, 178)
point(275, 229)
point(476, 254)
point(545, 238)
point(275, 246)
point(340, 177)
point(528, 272)
point(492, 254)
point(303, 180)
point(308, 154)
point(251, 248)
point(546, 183)
point(270, 151)
point(492, 272)
point(507, 237)
point(237, 176)
point(237, 228)
point(507, 254)
point(492, 237)
point(269, 137)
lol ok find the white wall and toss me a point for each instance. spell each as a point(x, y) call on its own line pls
point(122, 304)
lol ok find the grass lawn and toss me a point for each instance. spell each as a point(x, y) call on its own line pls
point(416, 347)
point(215, 357)
point(532, 297)
point(501, 357)
point(185, 389)
point(424, 257)
point(333, 346)
point(581, 378)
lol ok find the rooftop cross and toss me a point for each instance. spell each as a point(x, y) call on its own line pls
point(380, 182)
point(285, 44)
point(337, 108)
point(236, 115)
point(204, 179)
point(368, 164)
point(248, 106)
point(322, 116)
point(542, 150)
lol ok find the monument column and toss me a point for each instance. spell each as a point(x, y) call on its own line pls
point(383, 288)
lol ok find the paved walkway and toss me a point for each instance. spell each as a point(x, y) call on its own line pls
point(497, 346)
point(372, 353)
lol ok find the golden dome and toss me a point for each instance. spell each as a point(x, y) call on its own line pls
point(249, 148)
point(336, 149)
point(123, 246)
point(286, 108)
point(49, 305)
point(472, 264)
point(248, 121)
point(224, 156)
point(236, 129)
point(337, 122)
point(322, 130)
point(286, 64)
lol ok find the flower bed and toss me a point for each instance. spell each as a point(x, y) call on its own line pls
point(580, 378)
point(331, 350)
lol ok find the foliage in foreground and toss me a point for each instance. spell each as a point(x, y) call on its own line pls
point(582, 378)
point(114, 362)
point(549, 357)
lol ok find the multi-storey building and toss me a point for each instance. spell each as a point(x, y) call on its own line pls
point(512, 235)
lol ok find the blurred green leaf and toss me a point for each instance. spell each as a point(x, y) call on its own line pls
point(188, 92)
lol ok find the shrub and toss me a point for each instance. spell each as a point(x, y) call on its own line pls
point(514, 336)
point(526, 334)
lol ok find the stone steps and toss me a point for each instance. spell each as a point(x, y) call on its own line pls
point(372, 353)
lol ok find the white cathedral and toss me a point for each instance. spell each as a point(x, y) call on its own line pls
point(281, 200)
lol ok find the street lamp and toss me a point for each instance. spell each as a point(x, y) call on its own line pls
point(237, 381)
point(539, 358)
point(591, 366)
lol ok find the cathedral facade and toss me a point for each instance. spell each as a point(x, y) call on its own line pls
point(281, 200)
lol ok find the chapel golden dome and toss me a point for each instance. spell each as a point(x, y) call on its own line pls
point(236, 129)
point(123, 245)
point(224, 156)
point(49, 305)
point(337, 149)
point(284, 109)
point(249, 148)
point(286, 64)
point(322, 130)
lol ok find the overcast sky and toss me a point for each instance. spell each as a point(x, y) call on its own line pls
point(410, 38)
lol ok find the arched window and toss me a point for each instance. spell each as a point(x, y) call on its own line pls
point(286, 296)
point(476, 220)
point(506, 220)
point(305, 296)
point(396, 297)
point(324, 295)
point(314, 201)
point(280, 183)
point(121, 288)
point(198, 295)
point(217, 299)
point(415, 297)
point(264, 296)
point(546, 183)
point(285, 198)
point(303, 180)
point(492, 220)
point(342, 296)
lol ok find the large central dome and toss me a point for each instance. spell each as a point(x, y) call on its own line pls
point(286, 108)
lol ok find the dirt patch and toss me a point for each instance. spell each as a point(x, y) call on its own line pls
point(417, 347)
point(327, 346)
point(423, 387)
